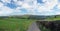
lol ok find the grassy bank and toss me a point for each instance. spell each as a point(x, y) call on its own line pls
point(14, 24)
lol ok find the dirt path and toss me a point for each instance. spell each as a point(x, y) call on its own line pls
point(33, 27)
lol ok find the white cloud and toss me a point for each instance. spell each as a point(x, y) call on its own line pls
point(45, 8)
point(58, 6)
point(15, 0)
point(50, 4)
point(19, 3)
point(6, 1)
point(5, 11)
point(58, 13)
point(1, 4)
point(31, 6)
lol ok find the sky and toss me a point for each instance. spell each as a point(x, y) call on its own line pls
point(31, 7)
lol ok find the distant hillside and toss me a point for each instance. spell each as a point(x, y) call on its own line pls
point(35, 17)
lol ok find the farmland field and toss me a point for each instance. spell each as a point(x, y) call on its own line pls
point(21, 23)
point(14, 24)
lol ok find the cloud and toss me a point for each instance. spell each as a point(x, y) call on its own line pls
point(58, 6)
point(1, 4)
point(6, 1)
point(5, 11)
point(48, 7)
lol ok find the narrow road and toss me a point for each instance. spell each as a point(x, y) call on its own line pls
point(33, 27)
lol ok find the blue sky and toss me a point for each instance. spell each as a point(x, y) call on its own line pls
point(34, 7)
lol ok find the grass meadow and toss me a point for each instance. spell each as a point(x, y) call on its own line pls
point(14, 24)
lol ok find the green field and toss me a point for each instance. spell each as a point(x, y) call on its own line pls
point(20, 24)
point(14, 24)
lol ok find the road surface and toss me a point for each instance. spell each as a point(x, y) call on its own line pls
point(33, 27)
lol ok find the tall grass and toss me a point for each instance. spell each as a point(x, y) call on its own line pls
point(14, 24)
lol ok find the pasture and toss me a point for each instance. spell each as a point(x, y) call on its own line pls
point(14, 24)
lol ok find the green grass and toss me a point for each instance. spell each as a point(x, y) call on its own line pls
point(14, 24)
point(53, 19)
